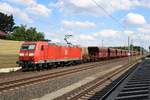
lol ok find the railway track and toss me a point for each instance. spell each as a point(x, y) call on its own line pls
point(15, 84)
point(88, 90)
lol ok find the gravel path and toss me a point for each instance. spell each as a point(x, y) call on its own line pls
point(38, 90)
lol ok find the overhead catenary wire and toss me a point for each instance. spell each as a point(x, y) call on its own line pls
point(114, 19)
point(107, 13)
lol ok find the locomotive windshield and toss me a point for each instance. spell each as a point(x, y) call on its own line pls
point(28, 47)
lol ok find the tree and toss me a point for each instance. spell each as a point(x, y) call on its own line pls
point(22, 33)
point(33, 35)
point(6, 22)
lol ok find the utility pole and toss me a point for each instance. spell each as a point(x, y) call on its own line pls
point(141, 50)
point(102, 42)
point(131, 49)
point(129, 53)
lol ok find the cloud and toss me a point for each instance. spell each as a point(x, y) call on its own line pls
point(128, 32)
point(55, 41)
point(144, 29)
point(77, 24)
point(134, 19)
point(111, 37)
point(87, 7)
point(142, 37)
point(93, 39)
point(86, 37)
point(8, 9)
point(83, 40)
point(77, 7)
point(33, 7)
point(108, 33)
point(39, 9)
point(23, 2)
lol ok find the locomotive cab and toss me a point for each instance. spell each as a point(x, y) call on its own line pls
point(30, 53)
point(27, 51)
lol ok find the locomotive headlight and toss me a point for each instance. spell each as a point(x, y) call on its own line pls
point(31, 54)
point(21, 54)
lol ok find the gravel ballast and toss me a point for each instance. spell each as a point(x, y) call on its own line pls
point(38, 90)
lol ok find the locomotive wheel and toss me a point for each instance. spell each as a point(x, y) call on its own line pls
point(24, 68)
point(74, 63)
point(67, 64)
point(33, 67)
point(79, 62)
point(60, 64)
point(39, 67)
point(45, 66)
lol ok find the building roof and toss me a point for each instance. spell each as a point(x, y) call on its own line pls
point(2, 33)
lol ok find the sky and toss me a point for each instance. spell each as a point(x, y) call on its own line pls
point(88, 21)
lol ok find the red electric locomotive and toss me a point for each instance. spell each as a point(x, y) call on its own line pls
point(37, 55)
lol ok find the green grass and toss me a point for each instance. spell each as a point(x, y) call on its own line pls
point(9, 51)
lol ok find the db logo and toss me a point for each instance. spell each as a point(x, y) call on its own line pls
point(26, 54)
point(66, 52)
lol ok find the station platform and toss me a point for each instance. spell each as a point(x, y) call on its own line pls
point(136, 86)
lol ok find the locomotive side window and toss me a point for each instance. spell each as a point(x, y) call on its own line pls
point(42, 47)
point(28, 47)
